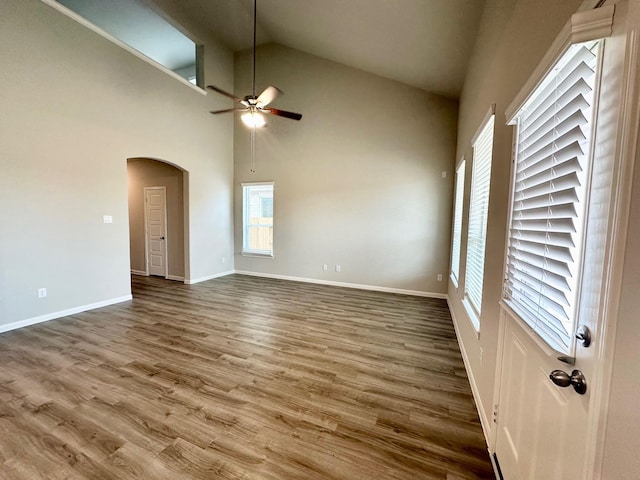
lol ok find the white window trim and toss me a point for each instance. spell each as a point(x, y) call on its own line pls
point(252, 253)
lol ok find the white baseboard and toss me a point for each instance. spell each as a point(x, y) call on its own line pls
point(191, 281)
point(62, 313)
point(376, 288)
point(145, 274)
point(484, 421)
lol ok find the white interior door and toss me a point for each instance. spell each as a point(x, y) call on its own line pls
point(156, 230)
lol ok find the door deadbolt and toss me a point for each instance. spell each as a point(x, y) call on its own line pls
point(576, 380)
point(583, 334)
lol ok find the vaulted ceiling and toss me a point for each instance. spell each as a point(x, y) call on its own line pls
point(423, 43)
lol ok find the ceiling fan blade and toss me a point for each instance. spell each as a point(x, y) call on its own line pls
point(268, 95)
point(226, 94)
point(283, 113)
point(226, 110)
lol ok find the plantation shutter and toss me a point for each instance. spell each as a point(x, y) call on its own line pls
point(551, 170)
point(457, 221)
point(478, 212)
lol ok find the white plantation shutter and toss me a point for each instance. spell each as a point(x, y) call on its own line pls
point(478, 211)
point(457, 221)
point(553, 147)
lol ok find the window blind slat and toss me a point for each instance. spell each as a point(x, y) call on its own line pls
point(542, 261)
point(565, 225)
point(561, 254)
point(571, 153)
point(568, 167)
point(530, 156)
point(577, 65)
point(575, 93)
point(554, 184)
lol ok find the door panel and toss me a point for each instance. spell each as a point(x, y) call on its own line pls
point(541, 427)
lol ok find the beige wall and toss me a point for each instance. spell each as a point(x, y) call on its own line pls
point(622, 441)
point(74, 108)
point(512, 39)
point(357, 181)
point(144, 172)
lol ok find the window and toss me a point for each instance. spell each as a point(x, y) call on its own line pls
point(135, 24)
point(551, 174)
point(257, 218)
point(478, 212)
point(457, 223)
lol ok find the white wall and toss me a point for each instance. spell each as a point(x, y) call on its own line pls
point(74, 108)
point(357, 181)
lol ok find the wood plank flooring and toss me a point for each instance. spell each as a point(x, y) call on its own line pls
point(241, 378)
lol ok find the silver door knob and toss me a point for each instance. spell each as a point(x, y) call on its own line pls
point(576, 379)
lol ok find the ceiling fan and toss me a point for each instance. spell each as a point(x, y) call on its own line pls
point(254, 106)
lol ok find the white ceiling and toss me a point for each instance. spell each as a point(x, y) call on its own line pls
point(423, 43)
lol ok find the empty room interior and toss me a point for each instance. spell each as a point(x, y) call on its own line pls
point(329, 239)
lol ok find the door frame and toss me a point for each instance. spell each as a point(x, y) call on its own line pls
point(625, 149)
point(146, 232)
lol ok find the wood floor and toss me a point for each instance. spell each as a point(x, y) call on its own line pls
point(240, 378)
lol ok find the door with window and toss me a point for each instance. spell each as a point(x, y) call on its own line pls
point(561, 254)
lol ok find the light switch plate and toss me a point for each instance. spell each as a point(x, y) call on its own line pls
point(107, 219)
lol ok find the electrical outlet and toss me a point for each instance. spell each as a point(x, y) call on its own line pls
point(439, 277)
point(42, 292)
point(325, 267)
point(444, 174)
point(224, 259)
point(338, 268)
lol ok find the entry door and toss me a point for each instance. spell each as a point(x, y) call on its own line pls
point(155, 228)
point(543, 429)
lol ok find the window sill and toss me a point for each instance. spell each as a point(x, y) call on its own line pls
point(257, 254)
point(473, 318)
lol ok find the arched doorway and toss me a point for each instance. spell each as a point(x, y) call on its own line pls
point(158, 238)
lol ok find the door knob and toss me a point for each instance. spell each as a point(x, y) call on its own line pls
point(161, 238)
point(576, 379)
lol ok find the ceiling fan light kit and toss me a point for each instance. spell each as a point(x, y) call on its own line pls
point(253, 119)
